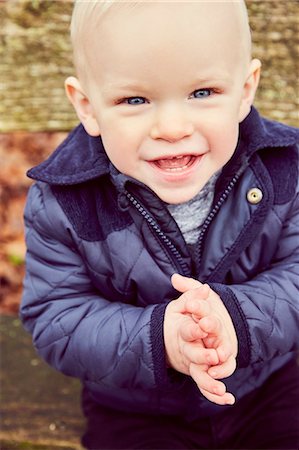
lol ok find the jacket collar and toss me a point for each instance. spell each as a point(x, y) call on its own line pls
point(81, 157)
point(77, 159)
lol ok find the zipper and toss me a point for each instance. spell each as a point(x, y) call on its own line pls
point(212, 215)
point(175, 256)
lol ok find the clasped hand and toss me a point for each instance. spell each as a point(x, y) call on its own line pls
point(200, 338)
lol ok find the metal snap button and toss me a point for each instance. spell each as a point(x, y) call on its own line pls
point(254, 196)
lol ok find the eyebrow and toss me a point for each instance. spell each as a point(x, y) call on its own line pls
point(143, 88)
point(215, 77)
point(124, 87)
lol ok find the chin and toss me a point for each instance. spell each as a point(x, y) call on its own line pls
point(175, 198)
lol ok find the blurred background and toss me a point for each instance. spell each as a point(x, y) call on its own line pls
point(35, 116)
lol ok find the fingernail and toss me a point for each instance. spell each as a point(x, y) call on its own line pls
point(230, 401)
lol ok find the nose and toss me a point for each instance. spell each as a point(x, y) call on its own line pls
point(171, 124)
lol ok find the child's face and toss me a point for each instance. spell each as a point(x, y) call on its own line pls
point(167, 89)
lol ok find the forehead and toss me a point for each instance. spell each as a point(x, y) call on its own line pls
point(159, 31)
point(86, 12)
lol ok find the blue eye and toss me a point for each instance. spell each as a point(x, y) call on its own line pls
point(135, 100)
point(201, 93)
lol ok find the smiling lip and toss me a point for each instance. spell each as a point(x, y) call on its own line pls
point(176, 167)
point(175, 164)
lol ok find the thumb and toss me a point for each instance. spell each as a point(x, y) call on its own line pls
point(184, 284)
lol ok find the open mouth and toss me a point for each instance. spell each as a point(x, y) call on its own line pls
point(175, 163)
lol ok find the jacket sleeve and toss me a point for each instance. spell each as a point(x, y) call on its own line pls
point(74, 328)
point(265, 309)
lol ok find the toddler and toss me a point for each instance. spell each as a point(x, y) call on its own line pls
point(162, 235)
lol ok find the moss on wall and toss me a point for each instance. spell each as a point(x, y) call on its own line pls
point(35, 58)
point(275, 33)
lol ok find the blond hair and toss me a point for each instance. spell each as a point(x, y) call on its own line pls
point(86, 16)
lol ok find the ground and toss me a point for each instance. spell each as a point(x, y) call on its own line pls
point(39, 407)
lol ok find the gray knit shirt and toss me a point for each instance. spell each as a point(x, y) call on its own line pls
point(191, 215)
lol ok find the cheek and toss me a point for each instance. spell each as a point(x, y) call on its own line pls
point(224, 133)
point(111, 145)
point(224, 141)
point(121, 139)
point(116, 132)
point(119, 152)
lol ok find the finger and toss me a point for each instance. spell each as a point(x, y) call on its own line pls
point(211, 325)
point(205, 381)
point(190, 331)
point(183, 284)
point(200, 355)
point(189, 302)
point(223, 370)
point(225, 351)
point(195, 305)
point(226, 399)
point(217, 336)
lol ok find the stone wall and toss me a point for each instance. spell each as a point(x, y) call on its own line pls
point(275, 31)
point(35, 58)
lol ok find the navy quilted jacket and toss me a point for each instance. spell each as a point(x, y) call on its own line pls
point(102, 248)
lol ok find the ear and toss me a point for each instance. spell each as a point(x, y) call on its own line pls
point(249, 89)
point(82, 106)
